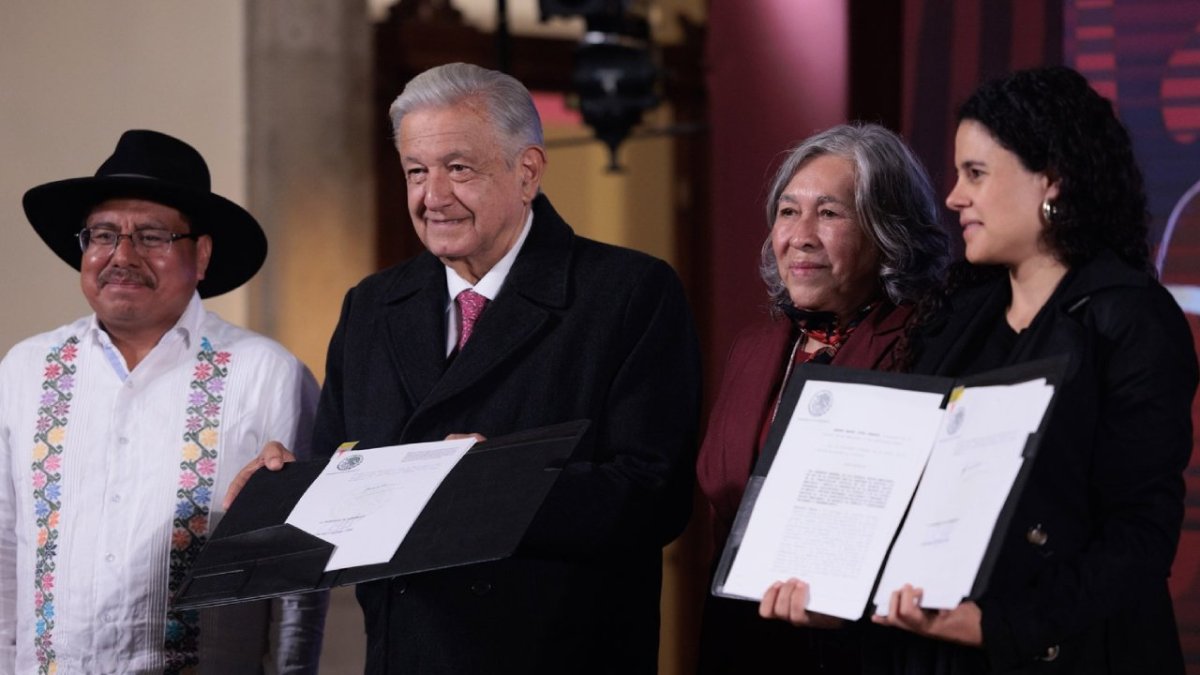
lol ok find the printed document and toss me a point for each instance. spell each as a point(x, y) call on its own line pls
point(970, 474)
point(837, 489)
point(365, 501)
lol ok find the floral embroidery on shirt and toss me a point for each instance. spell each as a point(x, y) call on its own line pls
point(55, 404)
point(197, 471)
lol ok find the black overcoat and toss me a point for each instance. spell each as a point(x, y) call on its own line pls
point(580, 330)
point(1081, 582)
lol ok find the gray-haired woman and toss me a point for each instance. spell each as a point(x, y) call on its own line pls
point(854, 242)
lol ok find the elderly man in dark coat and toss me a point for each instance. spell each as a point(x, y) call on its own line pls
point(510, 321)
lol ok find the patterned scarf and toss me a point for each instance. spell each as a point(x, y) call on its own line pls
point(825, 328)
point(822, 327)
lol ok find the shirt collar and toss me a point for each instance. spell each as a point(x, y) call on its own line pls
point(190, 324)
point(489, 286)
point(187, 327)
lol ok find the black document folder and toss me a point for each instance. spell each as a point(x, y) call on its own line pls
point(479, 513)
point(1052, 370)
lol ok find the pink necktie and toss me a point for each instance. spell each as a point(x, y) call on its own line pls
point(470, 306)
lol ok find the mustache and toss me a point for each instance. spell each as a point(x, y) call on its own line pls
point(125, 275)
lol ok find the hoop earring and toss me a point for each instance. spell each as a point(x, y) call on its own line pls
point(1049, 210)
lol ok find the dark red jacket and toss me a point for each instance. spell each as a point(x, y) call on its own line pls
point(753, 374)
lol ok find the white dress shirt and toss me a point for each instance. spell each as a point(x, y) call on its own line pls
point(120, 474)
point(489, 286)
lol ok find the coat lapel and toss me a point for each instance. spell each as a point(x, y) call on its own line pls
point(1062, 330)
point(872, 344)
point(535, 289)
point(414, 320)
point(1057, 330)
point(972, 311)
point(751, 384)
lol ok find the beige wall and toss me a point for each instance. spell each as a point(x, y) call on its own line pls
point(311, 180)
point(74, 74)
point(628, 208)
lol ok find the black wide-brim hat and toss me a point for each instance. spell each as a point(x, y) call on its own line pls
point(159, 168)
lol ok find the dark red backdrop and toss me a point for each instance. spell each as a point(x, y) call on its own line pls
point(1145, 57)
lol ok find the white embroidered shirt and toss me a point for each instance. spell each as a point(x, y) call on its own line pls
point(121, 454)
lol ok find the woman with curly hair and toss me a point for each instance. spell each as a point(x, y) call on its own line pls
point(1053, 215)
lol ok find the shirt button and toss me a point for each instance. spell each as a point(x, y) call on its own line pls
point(123, 441)
point(110, 557)
point(115, 498)
point(108, 617)
point(129, 384)
point(481, 588)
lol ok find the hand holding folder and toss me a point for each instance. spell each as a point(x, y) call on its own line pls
point(838, 474)
point(480, 512)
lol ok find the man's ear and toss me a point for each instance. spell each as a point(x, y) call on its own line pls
point(531, 163)
point(203, 255)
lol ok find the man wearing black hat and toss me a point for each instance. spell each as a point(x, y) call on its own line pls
point(120, 432)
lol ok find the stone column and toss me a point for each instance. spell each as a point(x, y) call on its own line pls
point(310, 178)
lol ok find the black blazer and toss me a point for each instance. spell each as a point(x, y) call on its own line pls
point(579, 330)
point(1081, 582)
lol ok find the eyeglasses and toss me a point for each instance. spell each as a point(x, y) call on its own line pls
point(146, 242)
